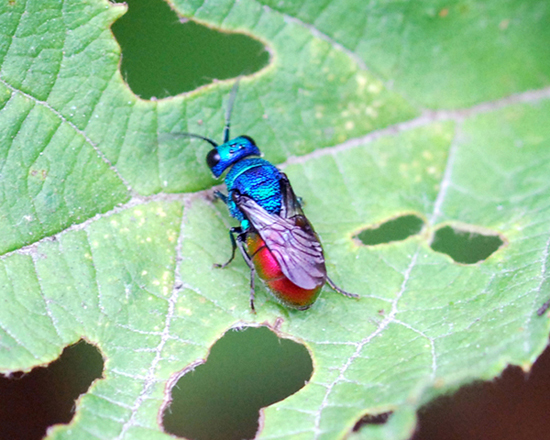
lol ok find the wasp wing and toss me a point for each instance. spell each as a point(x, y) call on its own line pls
point(290, 205)
point(290, 238)
point(291, 209)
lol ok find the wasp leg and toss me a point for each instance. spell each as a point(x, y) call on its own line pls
point(221, 196)
point(239, 243)
point(232, 233)
point(248, 260)
point(342, 291)
point(542, 309)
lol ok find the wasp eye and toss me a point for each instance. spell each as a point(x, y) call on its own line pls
point(213, 158)
point(249, 139)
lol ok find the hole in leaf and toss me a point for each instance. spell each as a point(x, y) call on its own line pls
point(31, 402)
point(372, 419)
point(465, 246)
point(163, 54)
point(396, 229)
point(514, 406)
point(246, 370)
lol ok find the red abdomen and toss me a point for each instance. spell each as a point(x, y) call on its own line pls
point(270, 272)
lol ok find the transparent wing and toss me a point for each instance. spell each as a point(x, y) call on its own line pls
point(290, 238)
point(290, 206)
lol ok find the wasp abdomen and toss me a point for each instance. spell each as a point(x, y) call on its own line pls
point(269, 270)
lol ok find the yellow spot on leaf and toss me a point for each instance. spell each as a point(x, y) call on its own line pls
point(361, 80)
point(503, 25)
point(375, 87)
point(371, 112)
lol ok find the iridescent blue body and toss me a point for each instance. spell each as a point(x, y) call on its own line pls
point(258, 179)
point(274, 237)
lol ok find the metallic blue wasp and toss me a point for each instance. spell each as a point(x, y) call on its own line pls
point(275, 238)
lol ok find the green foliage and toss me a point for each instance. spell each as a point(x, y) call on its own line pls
point(103, 238)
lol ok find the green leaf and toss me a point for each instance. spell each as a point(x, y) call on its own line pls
point(439, 54)
point(107, 234)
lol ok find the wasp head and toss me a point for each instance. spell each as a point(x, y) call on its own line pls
point(225, 155)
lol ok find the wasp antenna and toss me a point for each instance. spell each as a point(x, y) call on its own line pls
point(198, 136)
point(232, 97)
